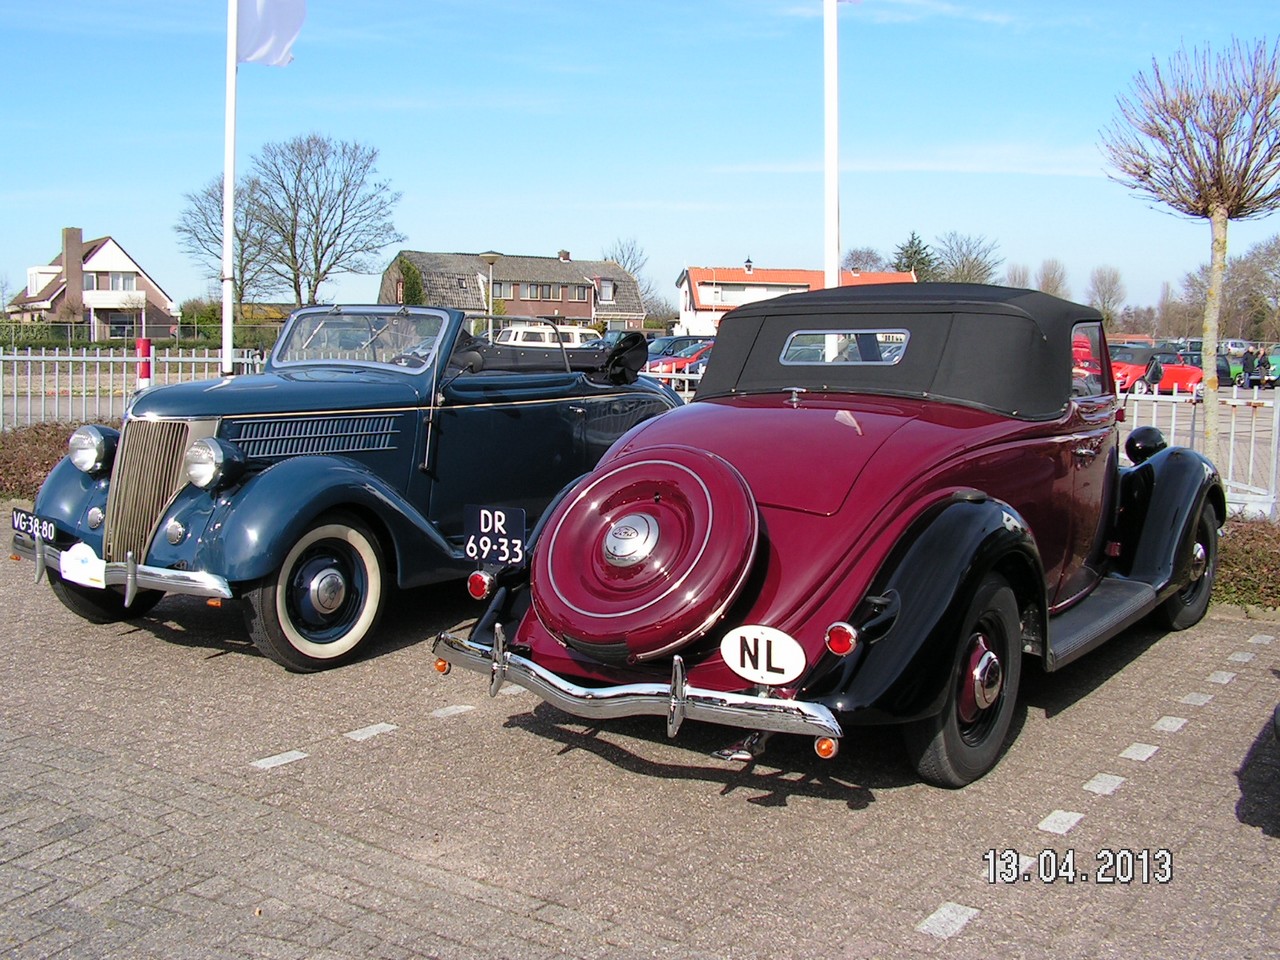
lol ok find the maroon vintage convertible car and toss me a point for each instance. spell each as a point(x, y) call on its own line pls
point(881, 500)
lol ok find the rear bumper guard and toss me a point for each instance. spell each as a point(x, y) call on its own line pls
point(677, 701)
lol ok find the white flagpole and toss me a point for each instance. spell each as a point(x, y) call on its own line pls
point(831, 192)
point(229, 194)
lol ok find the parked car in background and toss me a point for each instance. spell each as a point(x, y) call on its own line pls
point(352, 465)
point(669, 346)
point(880, 502)
point(534, 335)
point(1130, 366)
point(680, 362)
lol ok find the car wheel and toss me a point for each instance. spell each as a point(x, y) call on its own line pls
point(1241, 381)
point(324, 601)
point(964, 741)
point(1140, 387)
point(101, 606)
point(1186, 607)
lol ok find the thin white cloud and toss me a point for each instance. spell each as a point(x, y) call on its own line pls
point(977, 158)
point(910, 11)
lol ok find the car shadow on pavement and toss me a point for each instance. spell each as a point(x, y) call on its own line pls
point(1062, 689)
point(1259, 781)
point(789, 768)
point(410, 617)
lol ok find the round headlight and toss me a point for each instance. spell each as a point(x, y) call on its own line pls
point(204, 462)
point(90, 449)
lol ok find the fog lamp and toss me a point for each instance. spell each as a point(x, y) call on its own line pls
point(174, 531)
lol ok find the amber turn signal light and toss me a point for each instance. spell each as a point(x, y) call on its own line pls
point(213, 602)
point(443, 666)
point(826, 747)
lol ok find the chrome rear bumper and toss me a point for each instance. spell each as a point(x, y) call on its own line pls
point(677, 701)
point(130, 574)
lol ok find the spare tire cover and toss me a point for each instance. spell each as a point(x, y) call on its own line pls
point(645, 554)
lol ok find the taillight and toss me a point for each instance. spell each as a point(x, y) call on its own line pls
point(841, 638)
point(479, 585)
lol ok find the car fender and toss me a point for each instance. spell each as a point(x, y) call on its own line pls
point(258, 523)
point(66, 495)
point(1160, 502)
point(902, 671)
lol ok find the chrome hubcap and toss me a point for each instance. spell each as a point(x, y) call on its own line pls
point(1199, 561)
point(631, 540)
point(982, 683)
point(327, 590)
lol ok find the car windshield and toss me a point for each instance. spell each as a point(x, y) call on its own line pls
point(403, 341)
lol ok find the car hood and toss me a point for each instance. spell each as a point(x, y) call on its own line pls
point(804, 457)
point(305, 390)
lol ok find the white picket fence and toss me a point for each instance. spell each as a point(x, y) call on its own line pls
point(90, 386)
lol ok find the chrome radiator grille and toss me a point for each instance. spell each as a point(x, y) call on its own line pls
point(294, 436)
point(147, 473)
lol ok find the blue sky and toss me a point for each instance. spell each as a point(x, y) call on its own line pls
point(693, 127)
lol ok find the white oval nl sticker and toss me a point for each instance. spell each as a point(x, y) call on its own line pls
point(763, 655)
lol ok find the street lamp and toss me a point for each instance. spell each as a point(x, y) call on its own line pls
point(490, 257)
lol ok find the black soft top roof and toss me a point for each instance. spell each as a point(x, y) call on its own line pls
point(1000, 348)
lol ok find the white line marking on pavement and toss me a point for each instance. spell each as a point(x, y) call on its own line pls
point(948, 920)
point(364, 733)
point(1221, 676)
point(1196, 699)
point(1169, 724)
point(1244, 656)
point(1139, 751)
point(445, 712)
point(1104, 784)
point(279, 760)
point(1263, 638)
point(1060, 821)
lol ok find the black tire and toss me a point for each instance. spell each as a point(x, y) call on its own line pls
point(101, 606)
point(1140, 387)
point(964, 741)
point(324, 601)
point(1187, 607)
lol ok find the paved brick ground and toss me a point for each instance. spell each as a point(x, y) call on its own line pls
point(166, 792)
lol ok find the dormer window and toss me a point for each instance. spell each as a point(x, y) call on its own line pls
point(606, 291)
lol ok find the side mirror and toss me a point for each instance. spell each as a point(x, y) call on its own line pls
point(1155, 372)
point(471, 361)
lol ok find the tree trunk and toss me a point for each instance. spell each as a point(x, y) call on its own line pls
point(1212, 310)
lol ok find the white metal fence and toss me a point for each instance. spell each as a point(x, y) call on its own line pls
point(38, 386)
point(91, 385)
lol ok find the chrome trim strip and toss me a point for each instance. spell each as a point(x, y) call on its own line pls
point(134, 576)
point(676, 701)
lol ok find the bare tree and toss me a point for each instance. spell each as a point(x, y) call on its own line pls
point(629, 255)
point(1017, 275)
point(1051, 278)
point(1202, 136)
point(1106, 293)
point(864, 260)
point(199, 227)
point(967, 258)
point(323, 210)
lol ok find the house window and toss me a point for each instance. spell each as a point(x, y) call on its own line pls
point(120, 324)
point(503, 290)
point(124, 281)
point(90, 282)
point(399, 291)
point(606, 291)
point(542, 291)
point(580, 292)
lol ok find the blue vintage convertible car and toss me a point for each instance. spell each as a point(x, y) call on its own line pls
point(350, 466)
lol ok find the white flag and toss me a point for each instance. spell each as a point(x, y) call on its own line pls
point(266, 29)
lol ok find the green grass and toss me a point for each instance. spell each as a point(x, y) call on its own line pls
point(1248, 570)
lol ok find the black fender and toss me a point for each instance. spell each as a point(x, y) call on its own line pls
point(902, 670)
point(1160, 503)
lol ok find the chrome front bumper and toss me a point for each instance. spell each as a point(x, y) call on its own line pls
point(131, 575)
point(676, 701)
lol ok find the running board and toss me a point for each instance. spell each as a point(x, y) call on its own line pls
point(1113, 606)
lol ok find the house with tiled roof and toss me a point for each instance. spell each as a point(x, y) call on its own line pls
point(556, 288)
point(708, 293)
point(97, 287)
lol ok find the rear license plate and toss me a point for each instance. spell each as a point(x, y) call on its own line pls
point(494, 534)
point(33, 526)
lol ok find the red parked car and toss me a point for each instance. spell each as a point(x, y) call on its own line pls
point(1154, 369)
point(880, 502)
point(680, 362)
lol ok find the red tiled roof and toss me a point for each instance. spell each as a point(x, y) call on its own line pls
point(761, 276)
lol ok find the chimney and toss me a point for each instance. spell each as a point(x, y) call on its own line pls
point(73, 272)
point(564, 256)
